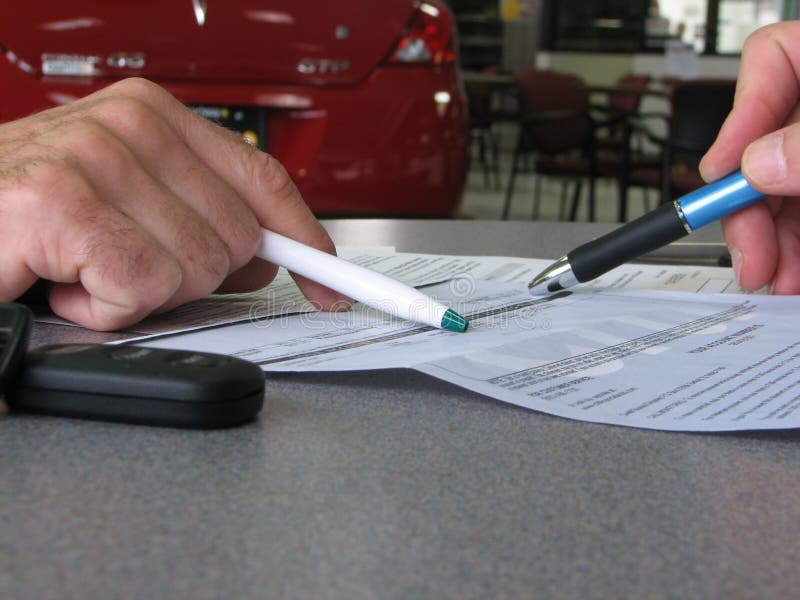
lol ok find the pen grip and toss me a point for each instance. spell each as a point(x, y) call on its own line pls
point(645, 234)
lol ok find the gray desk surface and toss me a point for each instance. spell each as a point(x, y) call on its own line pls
point(394, 485)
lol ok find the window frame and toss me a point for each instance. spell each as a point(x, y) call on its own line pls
point(550, 29)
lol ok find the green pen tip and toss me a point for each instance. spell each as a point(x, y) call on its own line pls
point(453, 321)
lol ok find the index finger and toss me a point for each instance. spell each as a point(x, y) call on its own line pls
point(260, 180)
point(767, 93)
point(257, 177)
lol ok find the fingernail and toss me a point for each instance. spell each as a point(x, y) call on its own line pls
point(764, 160)
point(708, 171)
point(341, 305)
point(736, 262)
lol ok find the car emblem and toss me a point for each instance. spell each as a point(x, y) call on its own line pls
point(200, 9)
point(322, 66)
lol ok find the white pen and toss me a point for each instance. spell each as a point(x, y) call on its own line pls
point(359, 283)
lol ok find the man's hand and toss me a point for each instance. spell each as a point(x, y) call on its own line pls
point(762, 133)
point(132, 204)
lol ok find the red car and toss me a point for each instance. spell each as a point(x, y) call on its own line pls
point(361, 100)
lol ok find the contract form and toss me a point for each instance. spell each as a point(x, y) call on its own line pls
point(282, 296)
point(614, 351)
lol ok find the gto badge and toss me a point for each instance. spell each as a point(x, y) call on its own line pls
point(200, 9)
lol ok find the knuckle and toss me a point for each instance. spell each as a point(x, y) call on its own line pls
point(54, 183)
point(136, 87)
point(768, 34)
point(91, 143)
point(205, 255)
point(232, 219)
point(244, 238)
point(242, 234)
point(134, 112)
point(143, 275)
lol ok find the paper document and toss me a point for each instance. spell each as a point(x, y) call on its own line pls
point(283, 297)
point(659, 360)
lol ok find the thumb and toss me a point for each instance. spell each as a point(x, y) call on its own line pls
point(772, 163)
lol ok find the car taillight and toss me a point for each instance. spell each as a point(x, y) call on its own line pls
point(428, 40)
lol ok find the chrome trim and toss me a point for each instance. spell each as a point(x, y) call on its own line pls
point(558, 276)
point(681, 216)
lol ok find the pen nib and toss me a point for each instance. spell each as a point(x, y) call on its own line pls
point(554, 278)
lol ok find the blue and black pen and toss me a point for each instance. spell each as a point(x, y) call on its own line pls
point(667, 223)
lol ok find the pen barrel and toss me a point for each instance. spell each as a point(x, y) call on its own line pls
point(716, 200)
point(359, 283)
point(645, 234)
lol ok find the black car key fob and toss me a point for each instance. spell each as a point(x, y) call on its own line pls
point(136, 384)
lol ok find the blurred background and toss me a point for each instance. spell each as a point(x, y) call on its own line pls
point(473, 109)
point(660, 47)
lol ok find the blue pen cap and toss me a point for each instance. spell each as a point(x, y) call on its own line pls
point(712, 202)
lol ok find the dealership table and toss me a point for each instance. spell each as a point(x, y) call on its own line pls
point(396, 485)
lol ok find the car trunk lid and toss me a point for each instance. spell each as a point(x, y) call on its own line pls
point(281, 41)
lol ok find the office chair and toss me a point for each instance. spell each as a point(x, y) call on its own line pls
point(698, 109)
point(482, 118)
point(556, 131)
point(623, 103)
point(618, 144)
